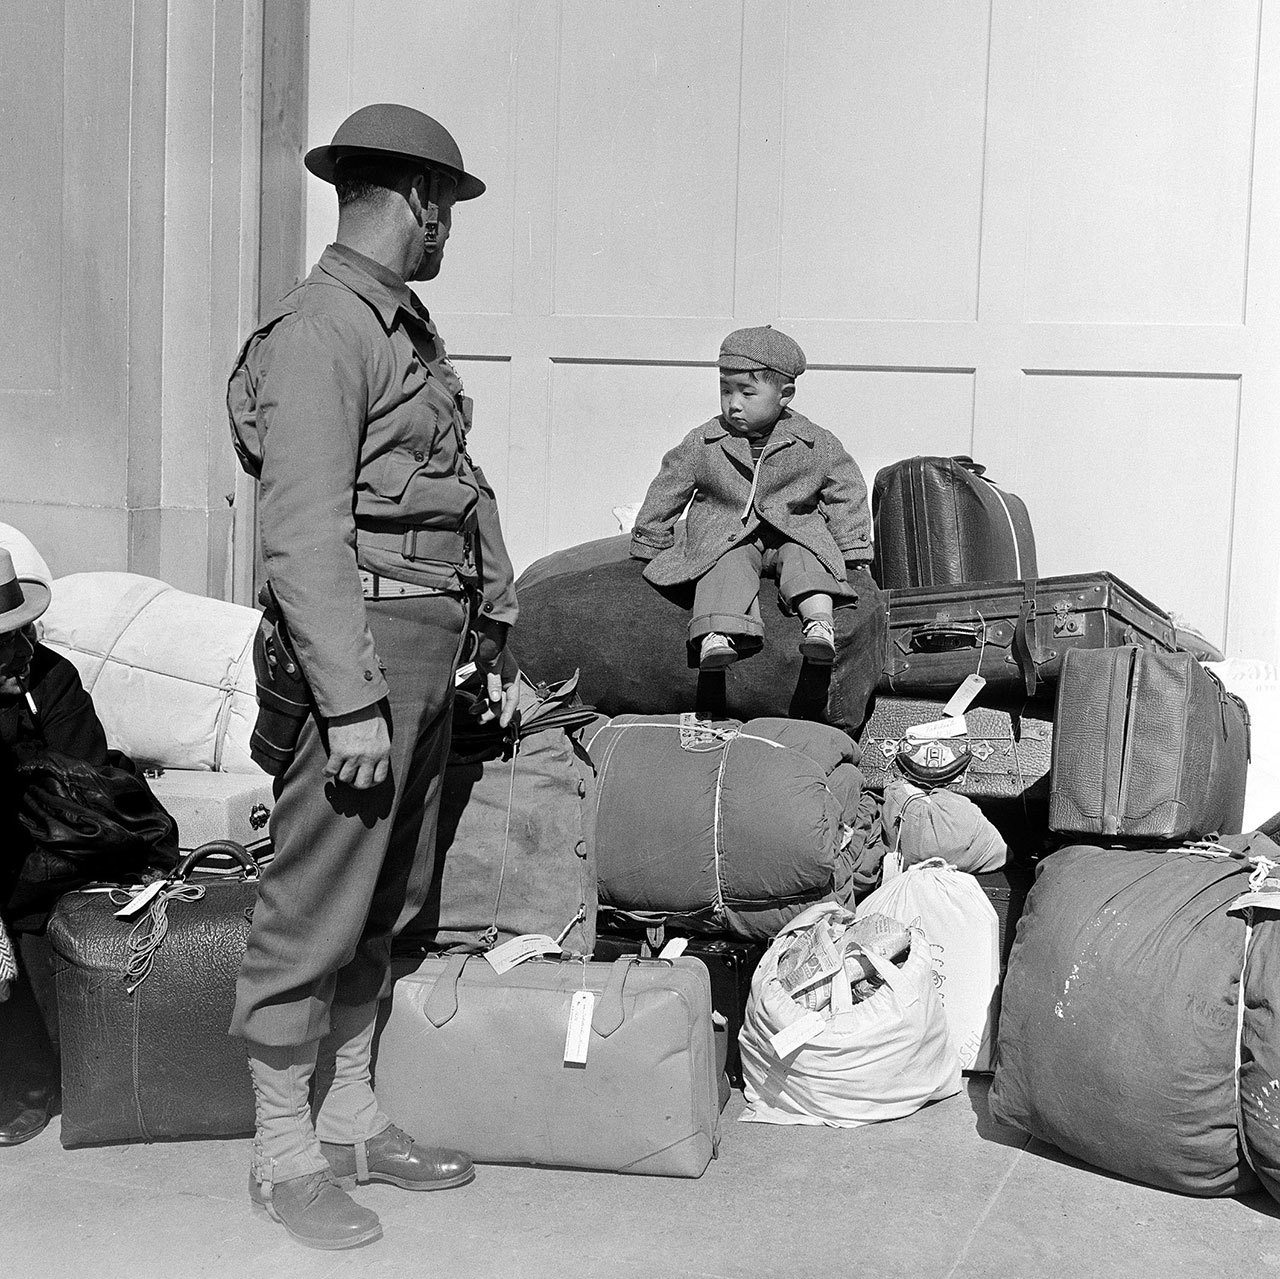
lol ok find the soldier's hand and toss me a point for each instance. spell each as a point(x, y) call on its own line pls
point(359, 748)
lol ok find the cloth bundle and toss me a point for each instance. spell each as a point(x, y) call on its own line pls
point(921, 824)
point(729, 827)
point(1138, 1029)
point(844, 1064)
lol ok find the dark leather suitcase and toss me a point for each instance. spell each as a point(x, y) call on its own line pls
point(1147, 745)
point(729, 962)
point(145, 1050)
point(588, 608)
point(1013, 634)
point(939, 521)
point(1007, 890)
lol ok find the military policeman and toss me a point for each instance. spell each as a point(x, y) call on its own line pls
point(385, 560)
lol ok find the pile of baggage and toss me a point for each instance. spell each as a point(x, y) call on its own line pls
point(1000, 834)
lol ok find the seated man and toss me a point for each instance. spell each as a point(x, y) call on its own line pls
point(41, 701)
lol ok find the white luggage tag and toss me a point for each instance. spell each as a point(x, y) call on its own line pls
point(674, 948)
point(938, 729)
point(577, 1038)
point(141, 899)
point(963, 697)
point(505, 957)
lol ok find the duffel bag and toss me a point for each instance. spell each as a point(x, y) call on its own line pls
point(515, 848)
point(558, 1064)
point(844, 1067)
point(1119, 1034)
point(727, 827)
point(589, 608)
point(144, 1002)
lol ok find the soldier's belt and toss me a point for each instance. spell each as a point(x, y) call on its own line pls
point(440, 546)
point(378, 587)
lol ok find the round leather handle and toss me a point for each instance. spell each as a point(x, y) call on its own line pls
point(229, 846)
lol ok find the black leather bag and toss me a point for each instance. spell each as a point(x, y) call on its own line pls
point(939, 521)
point(87, 822)
point(144, 1004)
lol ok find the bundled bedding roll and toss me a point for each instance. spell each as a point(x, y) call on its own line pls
point(1137, 1030)
point(728, 826)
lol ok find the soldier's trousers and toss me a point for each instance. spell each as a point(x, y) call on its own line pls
point(353, 867)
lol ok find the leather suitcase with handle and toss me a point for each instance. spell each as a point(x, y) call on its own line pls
point(939, 521)
point(476, 1060)
point(1146, 745)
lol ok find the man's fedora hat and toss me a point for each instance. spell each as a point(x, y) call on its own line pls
point(22, 600)
point(388, 129)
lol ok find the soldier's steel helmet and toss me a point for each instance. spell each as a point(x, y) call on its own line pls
point(386, 128)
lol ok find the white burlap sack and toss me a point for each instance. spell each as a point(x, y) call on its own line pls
point(881, 1059)
point(170, 673)
point(964, 942)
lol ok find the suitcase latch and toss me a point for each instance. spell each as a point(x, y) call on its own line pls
point(1065, 622)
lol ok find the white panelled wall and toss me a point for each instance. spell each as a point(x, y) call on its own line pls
point(1043, 233)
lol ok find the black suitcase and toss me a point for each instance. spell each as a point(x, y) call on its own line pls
point(145, 1049)
point(731, 964)
point(1007, 890)
point(939, 521)
point(1013, 634)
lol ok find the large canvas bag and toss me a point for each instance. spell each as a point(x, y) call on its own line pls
point(1121, 1014)
point(475, 1060)
point(964, 945)
point(882, 1059)
point(170, 673)
point(588, 608)
point(728, 827)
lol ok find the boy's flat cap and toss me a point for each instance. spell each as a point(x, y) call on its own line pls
point(761, 348)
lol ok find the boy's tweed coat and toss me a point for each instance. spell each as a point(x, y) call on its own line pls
point(809, 489)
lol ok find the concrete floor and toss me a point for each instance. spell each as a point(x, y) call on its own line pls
point(945, 1193)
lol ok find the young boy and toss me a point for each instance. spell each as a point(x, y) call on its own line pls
point(770, 491)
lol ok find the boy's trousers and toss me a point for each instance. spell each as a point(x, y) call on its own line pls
point(353, 867)
point(726, 598)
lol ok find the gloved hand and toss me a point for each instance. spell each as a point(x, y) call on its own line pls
point(497, 664)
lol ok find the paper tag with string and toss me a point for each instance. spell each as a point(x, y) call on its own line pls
point(674, 948)
point(505, 957)
point(577, 1040)
point(937, 729)
point(141, 899)
point(963, 697)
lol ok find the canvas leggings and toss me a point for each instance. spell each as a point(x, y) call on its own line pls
point(726, 597)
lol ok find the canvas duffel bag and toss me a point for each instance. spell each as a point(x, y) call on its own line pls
point(1122, 1008)
point(515, 846)
point(1146, 746)
point(726, 827)
point(476, 1060)
point(144, 1003)
point(588, 608)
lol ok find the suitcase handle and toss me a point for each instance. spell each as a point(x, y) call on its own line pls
point(442, 1003)
point(945, 638)
point(214, 846)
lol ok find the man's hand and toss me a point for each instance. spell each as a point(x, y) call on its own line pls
point(501, 679)
point(359, 748)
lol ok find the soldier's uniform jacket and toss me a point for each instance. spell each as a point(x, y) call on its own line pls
point(808, 488)
point(344, 405)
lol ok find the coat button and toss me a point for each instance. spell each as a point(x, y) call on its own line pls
point(488, 606)
point(582, 787)
point(419, 455)
point(368, 675)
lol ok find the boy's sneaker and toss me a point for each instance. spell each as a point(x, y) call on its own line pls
point(819, 643)
point(717, 652)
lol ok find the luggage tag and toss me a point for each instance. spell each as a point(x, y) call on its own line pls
point(504, 958)
point(141, 899)
point(789, 1038)
point(674, 948)
point(937, 729)
point(577, 1038)
point(963, 697)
